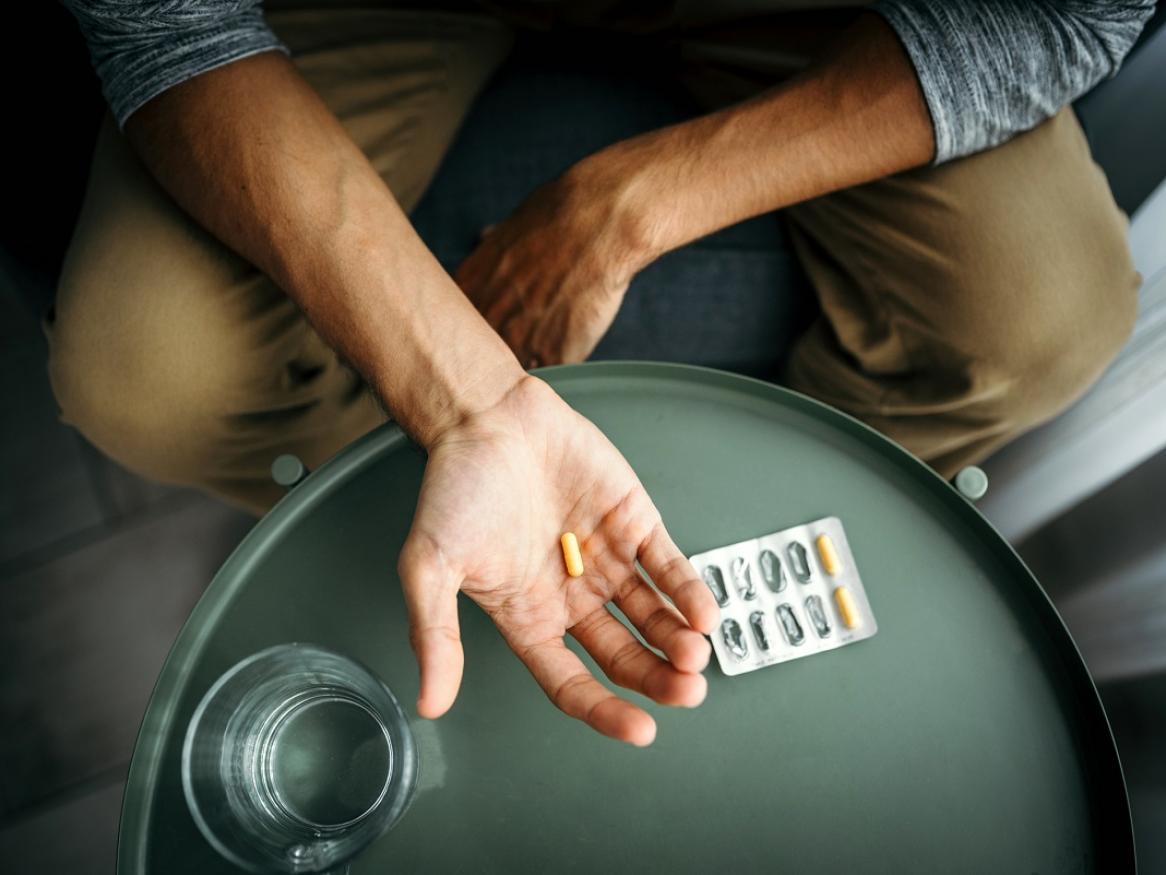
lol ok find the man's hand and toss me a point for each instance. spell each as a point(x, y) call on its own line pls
point(551, 278)
point(499, 490)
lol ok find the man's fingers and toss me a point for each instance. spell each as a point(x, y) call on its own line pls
point(663, 627)
point(469, 273)
point(475, 275)
point(516, 331)
point(504, 305)
point(576, 331)
point(431, 598)
point(575, 692)
point(671, 571)
point(630, 664)
point(550, 340)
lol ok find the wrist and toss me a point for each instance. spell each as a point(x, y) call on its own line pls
point(425, 351)
point(511, 414)
point(444, 400)
point(658, 186)
point(624, 177)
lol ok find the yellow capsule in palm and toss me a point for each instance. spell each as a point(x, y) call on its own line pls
point(571, 555)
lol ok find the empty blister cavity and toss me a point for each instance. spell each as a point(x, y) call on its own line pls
point(715, 580)
point(790, 627)
point(742, 576)
point(816, 611)
point(760, 632)
point(771, 571)
point(734, 638)
point(799, 561)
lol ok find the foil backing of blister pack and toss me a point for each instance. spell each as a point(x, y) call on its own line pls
point(785, 595)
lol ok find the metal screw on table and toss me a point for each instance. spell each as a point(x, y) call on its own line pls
point(288, 471)
point(971, 482)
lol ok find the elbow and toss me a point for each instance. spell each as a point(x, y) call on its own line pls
point(138, 52)
point(1113, 28)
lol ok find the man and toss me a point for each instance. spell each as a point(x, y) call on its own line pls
point(247, 237)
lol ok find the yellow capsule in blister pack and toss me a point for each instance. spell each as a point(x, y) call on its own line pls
point(571, 555)
point(847, 608)
point(828, 553)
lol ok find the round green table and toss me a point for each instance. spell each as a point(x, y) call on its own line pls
point(966, 736)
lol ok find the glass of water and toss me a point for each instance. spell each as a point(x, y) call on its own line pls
point(296, 760)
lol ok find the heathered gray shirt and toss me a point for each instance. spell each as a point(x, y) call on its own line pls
point(988, 69)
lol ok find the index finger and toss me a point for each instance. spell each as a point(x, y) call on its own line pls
point(674, 576)
point(576, 692)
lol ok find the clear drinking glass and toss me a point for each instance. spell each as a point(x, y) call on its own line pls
point(296, 760)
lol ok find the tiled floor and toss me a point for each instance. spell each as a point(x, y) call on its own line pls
point(77, 834)
point(98, 571)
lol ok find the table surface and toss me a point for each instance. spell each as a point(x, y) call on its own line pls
point(964, 736)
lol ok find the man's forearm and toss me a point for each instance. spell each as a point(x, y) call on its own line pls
point(856, 115)
point(252, 153)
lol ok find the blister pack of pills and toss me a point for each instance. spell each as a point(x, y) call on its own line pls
point(785, 595)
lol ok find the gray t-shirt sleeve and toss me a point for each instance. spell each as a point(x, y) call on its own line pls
point(140, 48)
point(992, 68)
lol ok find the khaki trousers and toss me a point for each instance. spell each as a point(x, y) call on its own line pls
point(960, 305)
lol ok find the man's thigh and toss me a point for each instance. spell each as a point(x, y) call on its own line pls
point(183, 361)
point(965, 303)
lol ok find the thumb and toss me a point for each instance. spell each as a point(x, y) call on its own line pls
point(431, 598)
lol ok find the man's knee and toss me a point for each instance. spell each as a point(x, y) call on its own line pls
point(1035, 340)
point(145, 381)
point(1046, 265)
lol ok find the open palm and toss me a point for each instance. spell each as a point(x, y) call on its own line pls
point(498, 492)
